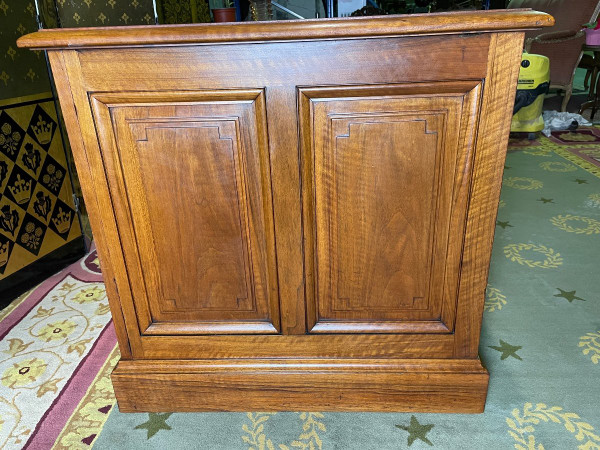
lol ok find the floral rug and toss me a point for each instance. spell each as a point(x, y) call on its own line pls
point(57, 347)
point(540, 342)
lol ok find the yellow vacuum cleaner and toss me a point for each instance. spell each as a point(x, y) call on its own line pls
point(534, 81)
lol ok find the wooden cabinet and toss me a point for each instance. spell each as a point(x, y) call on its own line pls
point(294, 215)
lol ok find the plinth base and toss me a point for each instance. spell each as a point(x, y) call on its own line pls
point(375, 385)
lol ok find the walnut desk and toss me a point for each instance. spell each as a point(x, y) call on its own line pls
point(294, 215)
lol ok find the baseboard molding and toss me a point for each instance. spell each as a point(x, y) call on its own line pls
point(368, 385)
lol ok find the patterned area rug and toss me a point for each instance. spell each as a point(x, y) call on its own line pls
point(540, 342)
point(56, 351)
point(584, 143)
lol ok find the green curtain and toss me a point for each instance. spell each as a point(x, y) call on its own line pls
point(182, 11)
point(22, 72)
point(98, 13)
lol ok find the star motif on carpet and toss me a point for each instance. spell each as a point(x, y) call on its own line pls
point(416, 431)
point(507, 350)
point(155, 423)
point(546, 200)
point(580, 181)
point(503, 224)
point(569, 295)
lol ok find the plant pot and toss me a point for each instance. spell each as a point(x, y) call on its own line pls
point(592, 37)
point(224, 14)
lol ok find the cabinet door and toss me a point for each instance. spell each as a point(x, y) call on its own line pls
point(190, 182)
point(386, 173)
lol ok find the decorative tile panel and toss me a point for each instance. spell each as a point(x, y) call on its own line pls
point(37, 214)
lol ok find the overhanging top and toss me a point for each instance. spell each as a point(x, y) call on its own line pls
point(348, 27)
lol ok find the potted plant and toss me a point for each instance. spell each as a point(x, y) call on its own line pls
point(592, 33)
point(225, 14)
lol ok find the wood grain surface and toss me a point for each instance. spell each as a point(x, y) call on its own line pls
point(324, 385)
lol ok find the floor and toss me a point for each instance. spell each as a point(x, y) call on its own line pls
point(540, 343)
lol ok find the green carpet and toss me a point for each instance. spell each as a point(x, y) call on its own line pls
point(540, 341)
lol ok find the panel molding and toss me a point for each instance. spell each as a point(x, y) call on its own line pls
point(238, 118)
point(444, 107)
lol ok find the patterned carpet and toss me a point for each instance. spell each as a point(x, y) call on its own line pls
point(56, 342)
point(540, 342)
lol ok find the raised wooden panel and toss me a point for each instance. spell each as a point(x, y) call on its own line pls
point(379, 166)
point(380, 231)
point(190, 177)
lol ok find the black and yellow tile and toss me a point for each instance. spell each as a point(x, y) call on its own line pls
point(37, 213)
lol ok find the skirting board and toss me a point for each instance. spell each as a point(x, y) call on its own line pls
point(374, 385)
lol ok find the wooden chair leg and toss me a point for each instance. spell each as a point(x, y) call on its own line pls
point(586, 81)
point(566, 98)
point(592, 82)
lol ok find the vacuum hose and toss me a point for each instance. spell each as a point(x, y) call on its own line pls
point(526, 97)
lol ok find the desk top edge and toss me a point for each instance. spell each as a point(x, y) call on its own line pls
point(336, 28)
